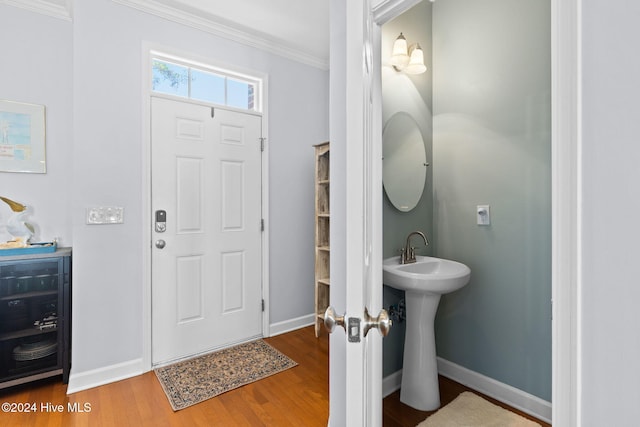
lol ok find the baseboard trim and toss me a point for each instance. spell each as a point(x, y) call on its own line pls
point(505, 393)
point(108, 374)
point(97, 377)
point(391, 383)
point(291, 325)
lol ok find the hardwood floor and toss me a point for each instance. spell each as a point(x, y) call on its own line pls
point(296, 397)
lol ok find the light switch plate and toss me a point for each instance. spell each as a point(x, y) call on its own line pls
point(105, 215)
point(483, 215)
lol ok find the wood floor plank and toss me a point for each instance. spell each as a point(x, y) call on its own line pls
point(295, 397)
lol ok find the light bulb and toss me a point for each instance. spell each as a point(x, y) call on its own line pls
point(416, 63)
point(399, 55)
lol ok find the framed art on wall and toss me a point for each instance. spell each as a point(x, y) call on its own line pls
point(22, 137)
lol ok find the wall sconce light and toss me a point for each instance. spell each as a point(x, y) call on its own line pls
point(409, 59)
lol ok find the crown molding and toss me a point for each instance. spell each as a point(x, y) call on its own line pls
point(227, 30)
point(57, 9)
point(386, 10)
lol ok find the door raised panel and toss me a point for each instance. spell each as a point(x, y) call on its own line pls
point(232, 183)
point(189, 129)
point(189, 207)
point(230, 134)
point(233, 266)
point(189, 288)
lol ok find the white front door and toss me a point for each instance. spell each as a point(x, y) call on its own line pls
point(206, 249)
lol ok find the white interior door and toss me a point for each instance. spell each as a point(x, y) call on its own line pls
point(207, 256)
point(356, 183)
point(356, 146)
point(347, 42)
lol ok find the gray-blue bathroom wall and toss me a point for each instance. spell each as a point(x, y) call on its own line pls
point(411, 94)
point(485, 113)
point(492, 145)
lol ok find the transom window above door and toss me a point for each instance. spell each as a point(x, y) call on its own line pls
point(186, 80)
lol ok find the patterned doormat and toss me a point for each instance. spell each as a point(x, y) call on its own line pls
point(195, 380)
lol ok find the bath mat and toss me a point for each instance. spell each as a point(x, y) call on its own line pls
point(194, 380)
point(470, 410)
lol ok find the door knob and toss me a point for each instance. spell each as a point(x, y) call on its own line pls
point(382, 323)
point(331, 320)
point(160, 244)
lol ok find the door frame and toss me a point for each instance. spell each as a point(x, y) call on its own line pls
point(566, 199)
point(148, 51)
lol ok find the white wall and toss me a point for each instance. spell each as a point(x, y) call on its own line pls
point(36, 68)
point(108, 128)
point(90, 74)
point(610, 290)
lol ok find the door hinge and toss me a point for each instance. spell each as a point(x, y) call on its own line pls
point(262, 305)
point(262, 142)
point(261, 224)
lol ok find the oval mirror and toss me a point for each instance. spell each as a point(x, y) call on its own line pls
point(404, 161)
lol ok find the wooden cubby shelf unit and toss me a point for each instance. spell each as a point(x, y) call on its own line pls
point(322, 247)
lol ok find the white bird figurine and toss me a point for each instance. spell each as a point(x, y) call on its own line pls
point(16, 226)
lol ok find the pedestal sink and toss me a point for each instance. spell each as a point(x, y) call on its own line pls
point(423, 282)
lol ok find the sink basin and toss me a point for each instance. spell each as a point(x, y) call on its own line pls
point(423, 282)
point(427, 274)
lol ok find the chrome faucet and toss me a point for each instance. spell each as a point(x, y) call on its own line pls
point(408, 253)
